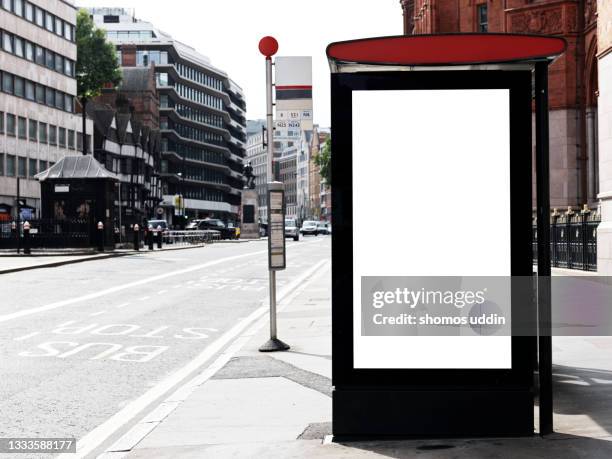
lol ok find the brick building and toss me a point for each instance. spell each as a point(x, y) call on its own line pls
point(573, 83)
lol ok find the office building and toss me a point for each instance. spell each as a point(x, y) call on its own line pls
point(202, 118)
point(38, 123)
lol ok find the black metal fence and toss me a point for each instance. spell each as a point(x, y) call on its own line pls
point(48, 233)
point(573, 240)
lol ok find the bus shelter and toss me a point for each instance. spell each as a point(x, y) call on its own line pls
point(433, 142)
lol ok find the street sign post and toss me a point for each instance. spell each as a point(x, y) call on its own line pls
point(459, 108)
point(276, 204)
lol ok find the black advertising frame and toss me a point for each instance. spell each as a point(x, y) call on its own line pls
point(421, 391)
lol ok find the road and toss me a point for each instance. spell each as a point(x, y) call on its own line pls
point(81, 342)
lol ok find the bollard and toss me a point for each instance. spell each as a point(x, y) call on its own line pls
point(26, 238)
point(15, 234)
point(159, 237)
point(136, 237)
point(150, 237)
point(100, 236)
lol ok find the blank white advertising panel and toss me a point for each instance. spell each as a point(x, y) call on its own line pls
point(431, 197)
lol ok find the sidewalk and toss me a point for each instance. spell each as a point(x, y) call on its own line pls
point(278, 405)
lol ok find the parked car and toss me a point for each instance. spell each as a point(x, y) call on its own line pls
point(193, 225)
point(291, 229)
point(155, 223)
point(323, 228)
point(216, 224)
point(309, 227)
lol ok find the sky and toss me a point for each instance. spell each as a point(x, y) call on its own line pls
point(228, 32)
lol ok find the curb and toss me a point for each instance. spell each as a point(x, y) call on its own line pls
point(55, 264)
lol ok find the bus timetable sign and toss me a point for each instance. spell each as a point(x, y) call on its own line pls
point(276, 226)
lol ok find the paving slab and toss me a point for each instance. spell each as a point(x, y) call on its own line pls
point(240, 411)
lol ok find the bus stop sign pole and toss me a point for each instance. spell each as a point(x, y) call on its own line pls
point(276, 204)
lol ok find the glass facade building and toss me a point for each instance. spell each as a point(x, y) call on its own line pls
point(202, 117)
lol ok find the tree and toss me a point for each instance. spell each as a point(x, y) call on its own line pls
point(96, 65)
point(323, 160)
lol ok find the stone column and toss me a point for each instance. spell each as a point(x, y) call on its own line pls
point(604, 103)
point(249, 227)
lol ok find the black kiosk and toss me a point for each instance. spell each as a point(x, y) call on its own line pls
point(432, 166)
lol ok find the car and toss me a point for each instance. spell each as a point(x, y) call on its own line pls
point(323, 228)
point(193, 225)
point(309, 227)
point(291, 229)
point(216, 224)
point(158, 223)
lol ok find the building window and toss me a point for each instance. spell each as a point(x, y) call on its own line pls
point(18, 7)
point(7, 83)
point(33, 134)
point(59, 63)
point(29, 90)
point(18, 44)
point(21, 128)
point(59, 27)
point(7, 42)
point(50, 96)
point(40, 94)
point(62, 137)
point(42, 132)
point(49, 22)
point(71, 139)
point(68, 103)
point(40, 17)
point(29, 12)
point(52, 134)
point(40, 55)
point(29, 51)
point(1, 164)
point(43, 166)
point(10, 166)
point(50, 60)
point(1, 122)
point(111, 19)
point(33, 167)
point(6, 4)
point(21, 167)
point(483, 19)
point(10, 124)
point(19, 87)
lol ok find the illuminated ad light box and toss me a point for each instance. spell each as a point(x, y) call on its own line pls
point(432, 200)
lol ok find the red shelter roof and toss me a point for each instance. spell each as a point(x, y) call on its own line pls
point(447, 49)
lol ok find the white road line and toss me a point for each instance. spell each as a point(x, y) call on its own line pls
point(101, 433)
point(96, 313)
point(144, 298)
point(119, 288)
point(123, 305)
point(161, 292)
point(24, 337)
